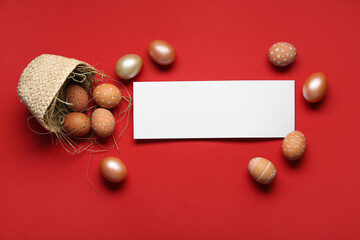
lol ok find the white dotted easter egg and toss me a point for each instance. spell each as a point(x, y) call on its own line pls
point(107, 95)
point(102, 122)
point(262, 170)
point(294, 145)
point(282, 54)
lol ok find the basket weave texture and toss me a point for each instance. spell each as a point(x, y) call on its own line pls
point(41, 81)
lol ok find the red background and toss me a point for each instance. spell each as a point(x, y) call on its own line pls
point(188, 189)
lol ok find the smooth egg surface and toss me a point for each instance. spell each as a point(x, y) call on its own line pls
point(77, 97)
point(113, 169)
point(161, 52)
point(107, 95)
point(262, 170)
point(282, 54)
point(294, 145)
point(102, 122)
point(315, 87)
point(128, 66)
point(76, 124)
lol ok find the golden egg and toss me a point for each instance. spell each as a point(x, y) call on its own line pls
point(128, 66)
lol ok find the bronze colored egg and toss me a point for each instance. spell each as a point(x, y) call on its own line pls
point(161, 52)
point(315, 87)
point(113, 169)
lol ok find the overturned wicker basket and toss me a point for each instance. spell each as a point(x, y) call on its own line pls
point(41, 87)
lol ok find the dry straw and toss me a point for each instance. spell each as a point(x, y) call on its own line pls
point(42, 89)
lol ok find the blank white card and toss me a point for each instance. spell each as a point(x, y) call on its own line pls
point(213, 109)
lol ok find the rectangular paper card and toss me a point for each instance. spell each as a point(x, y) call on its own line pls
point(214, 109)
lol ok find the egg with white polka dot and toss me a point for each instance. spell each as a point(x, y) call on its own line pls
point(262, 170)
point(107, 95)
point(102, 122)
point(282, 54)
point(294, 145)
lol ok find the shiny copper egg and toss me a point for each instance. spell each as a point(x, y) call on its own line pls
point(113, 169)
point(161, 52)
point(315, 87)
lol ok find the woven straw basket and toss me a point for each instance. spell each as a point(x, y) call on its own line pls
point(41, 81)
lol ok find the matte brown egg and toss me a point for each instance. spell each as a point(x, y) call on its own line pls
point(76, 124)
point(113, 169)
point(315, 87)
point(77, 97)
point(161, 52)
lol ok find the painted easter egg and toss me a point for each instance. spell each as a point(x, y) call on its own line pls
point(77, 97)
point(102, 122)
point(107, 95)
point(262, 170)
point(282, 54)
point(294, 145)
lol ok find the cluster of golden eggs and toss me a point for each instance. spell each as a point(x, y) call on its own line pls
point(160, 51)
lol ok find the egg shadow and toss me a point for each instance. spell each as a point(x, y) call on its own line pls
point(280, 69)
point(127, 82)
point(163, 68)
point(114, 186)
point(295, 163)
point(244, 140)
point(103, 141)
point(264, 188)
point(315, 105)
